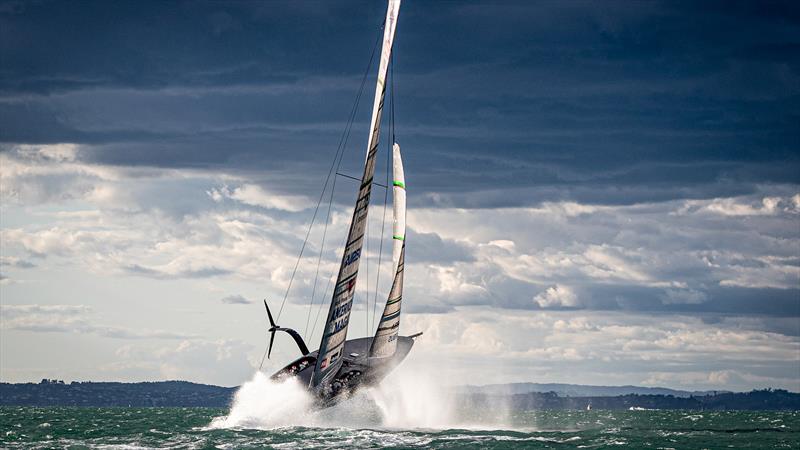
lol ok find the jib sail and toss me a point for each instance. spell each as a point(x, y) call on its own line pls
point(385, 341)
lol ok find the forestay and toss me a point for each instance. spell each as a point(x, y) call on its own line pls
point(385, 342)
point(332, 346)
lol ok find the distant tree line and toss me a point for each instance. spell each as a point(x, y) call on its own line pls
point(186, 394)
point(767, 399)
point(161, 393)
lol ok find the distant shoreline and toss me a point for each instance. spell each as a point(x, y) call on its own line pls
point(187, 394)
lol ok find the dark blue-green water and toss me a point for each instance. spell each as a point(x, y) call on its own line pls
point(30, 427)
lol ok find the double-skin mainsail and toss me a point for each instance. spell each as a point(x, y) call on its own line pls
point(331, 348)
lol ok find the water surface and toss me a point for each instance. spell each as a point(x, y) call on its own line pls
point(72, 427)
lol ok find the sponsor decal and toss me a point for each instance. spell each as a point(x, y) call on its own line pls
point(342, 309)
point(340, 325)
point(340, 317)
point(352, 257)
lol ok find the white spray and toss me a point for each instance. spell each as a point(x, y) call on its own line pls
point(407, 400)
point(410, 400)
point(263, 403)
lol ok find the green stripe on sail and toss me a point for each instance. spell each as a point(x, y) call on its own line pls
point(394, 315)
point(392, 302)
point(399, 183)
point(399, 238)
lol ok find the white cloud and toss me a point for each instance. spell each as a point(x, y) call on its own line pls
point(739, 206)
point(48, 173)
point(683, 296)
point(559, 242)
point(254, 195)
point(453, 282)
point(567, 209)
point(557, 296)
point(614, 262)
point(77, 319)
point(13, 312)
point(13, 261)
point(517, 345)
point(505, 244)
point(727, 379)
point(204, 360)
point(200, 360)
point(178, 227)
point(59, 153)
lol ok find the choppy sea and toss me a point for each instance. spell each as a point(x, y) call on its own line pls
point(413, 414)
point(134, 428)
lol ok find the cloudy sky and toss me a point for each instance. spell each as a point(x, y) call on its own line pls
point(599, 193)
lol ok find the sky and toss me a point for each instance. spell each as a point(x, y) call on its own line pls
point(598, 193)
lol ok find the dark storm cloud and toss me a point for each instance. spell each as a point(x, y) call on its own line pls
point(717, 300)
point(498, 104)
point(432, 248)
point(55, 46)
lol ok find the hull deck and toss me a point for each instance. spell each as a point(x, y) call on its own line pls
point(357, 369)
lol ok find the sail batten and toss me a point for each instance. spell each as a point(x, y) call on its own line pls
point(333, 338)
point(385, 341)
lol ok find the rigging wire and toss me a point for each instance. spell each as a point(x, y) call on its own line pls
point(339, 155)
point(262, 358)
point(305, 241)
point(330, 277)
point(340, 149)
point(319, 309)
point(343, 145)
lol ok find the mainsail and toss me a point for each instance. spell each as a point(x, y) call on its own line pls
point(335, 333)
point(385, 341)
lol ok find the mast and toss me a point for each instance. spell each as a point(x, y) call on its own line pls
point(332, 345)
point(385, 342)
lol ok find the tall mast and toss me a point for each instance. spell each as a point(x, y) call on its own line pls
point(332, 346)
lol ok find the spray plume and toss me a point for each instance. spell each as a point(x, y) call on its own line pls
point(406, 400)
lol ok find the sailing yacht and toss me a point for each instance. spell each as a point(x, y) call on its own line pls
point(340, 366)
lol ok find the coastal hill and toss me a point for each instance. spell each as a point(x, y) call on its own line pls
point(158, 393)
point(577, 390)
point(521, 396)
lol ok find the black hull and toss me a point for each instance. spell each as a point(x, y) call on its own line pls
point(357, 370)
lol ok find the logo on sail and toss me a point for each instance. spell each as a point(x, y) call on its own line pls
point(352, 257)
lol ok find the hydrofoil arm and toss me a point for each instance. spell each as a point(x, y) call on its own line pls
point(294, 334)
